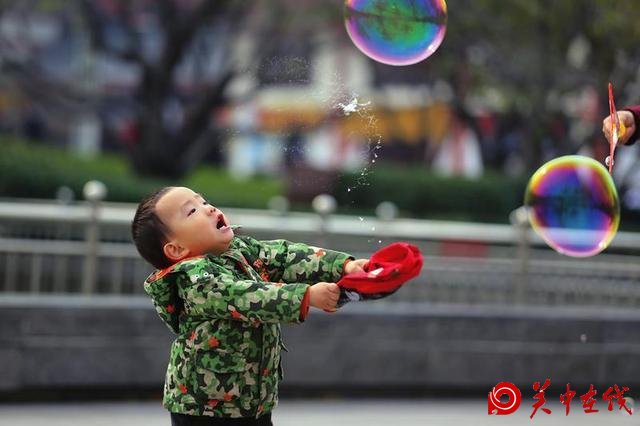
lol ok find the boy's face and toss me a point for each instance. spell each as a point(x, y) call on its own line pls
point(196, 227)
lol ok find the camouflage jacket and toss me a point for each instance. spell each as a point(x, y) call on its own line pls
point(226, 311)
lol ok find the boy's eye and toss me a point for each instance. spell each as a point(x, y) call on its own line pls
point(192, 211)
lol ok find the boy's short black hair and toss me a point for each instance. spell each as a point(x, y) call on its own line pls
point(149, 233)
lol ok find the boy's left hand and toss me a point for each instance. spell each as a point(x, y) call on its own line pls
point(357, 265)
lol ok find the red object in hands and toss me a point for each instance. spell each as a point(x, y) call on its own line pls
point(387, 270)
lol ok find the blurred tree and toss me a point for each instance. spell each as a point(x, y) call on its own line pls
point(171, 62)
point(166, 41)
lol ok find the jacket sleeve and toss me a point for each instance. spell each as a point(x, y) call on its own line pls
point(635, 110)
point(224, 297)
point(298, 262)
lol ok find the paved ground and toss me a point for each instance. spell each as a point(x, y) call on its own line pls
point(317, 412)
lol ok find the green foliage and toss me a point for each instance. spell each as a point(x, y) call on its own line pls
point(418, 193)
point(220, 189)
point(37, 171)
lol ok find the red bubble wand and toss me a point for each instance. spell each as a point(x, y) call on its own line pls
point(617, 129)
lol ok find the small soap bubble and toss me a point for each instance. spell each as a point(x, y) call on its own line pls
point(608, 161)
point(572, 203)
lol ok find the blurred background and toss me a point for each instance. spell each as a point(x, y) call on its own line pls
point(270, 111)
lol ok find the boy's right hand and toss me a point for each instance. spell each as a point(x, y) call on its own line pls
point(324, 296)
point(627, 119)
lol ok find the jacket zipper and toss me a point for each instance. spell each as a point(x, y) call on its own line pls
point(260, 370)
point(243, 266)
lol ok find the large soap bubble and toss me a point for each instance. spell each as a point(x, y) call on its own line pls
point(396, 32)
point(573, 205)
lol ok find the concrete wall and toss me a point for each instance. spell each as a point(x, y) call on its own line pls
point(59, 343)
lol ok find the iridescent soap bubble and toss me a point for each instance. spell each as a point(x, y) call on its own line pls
point(572, 203)
point(396, 32)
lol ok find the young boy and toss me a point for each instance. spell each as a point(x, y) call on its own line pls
point(225, 297)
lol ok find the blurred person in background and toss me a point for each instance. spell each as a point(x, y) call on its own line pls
point(511, 143)
point(459, 153)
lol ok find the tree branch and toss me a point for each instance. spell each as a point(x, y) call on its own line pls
point(167, 14)
point(198, 120)
point(198, 117)
point(96, 35)
point(180, 36)
point(60, 97)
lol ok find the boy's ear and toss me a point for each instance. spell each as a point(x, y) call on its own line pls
point(174, 251)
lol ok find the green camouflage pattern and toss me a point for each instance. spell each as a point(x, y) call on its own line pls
point(226, 311)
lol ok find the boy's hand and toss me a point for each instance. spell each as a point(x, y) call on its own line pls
point(324, 296)
point(357, 265)
point(627, 119)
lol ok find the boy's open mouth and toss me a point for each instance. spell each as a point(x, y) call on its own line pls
point(221, 223)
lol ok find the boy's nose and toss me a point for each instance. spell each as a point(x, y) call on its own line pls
point(210, 210)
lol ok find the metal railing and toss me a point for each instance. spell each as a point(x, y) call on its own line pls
point(46, 247)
